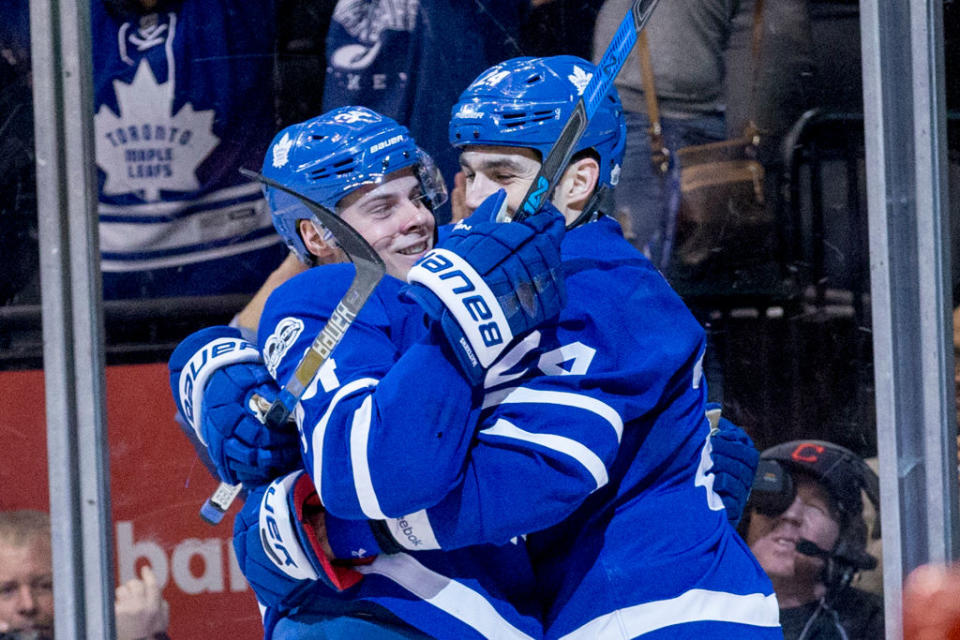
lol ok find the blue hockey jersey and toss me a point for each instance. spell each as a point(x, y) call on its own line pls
point(482, 591)
point(589, 435)
point(183, 98)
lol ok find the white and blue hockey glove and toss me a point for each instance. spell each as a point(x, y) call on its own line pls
point(221, 388)
point(734, 463)
point(278, 545)
point(489, 281)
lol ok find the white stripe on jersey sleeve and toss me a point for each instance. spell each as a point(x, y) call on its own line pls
point(320, 430)
point(696, 605)
point(359, 437)
point(458, 600)
point(518, 395)
point(567, 446)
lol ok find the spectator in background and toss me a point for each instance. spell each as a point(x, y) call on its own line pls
point(183, 94)
point(174, 119)
point(687, 43)
point(410, 59)
point(805, 526)
point(26, 586)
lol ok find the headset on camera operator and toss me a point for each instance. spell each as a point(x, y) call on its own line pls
point(804, 523)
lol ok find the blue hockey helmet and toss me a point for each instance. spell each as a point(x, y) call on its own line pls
point(525, 102)
point(326, 157)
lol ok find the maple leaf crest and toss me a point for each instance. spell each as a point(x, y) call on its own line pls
point(580, 79)
point(615, 175)
point(146, 148)
point(281, 150)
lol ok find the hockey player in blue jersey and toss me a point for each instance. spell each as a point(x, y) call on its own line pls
point(350, 413)
point(366, 168)
point(605, 406)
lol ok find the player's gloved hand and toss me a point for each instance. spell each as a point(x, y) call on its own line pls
point(489, 281)
point(222, 389)
point(277, 538)
point(734, 463)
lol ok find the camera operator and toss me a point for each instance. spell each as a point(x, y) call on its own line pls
point(804, 524)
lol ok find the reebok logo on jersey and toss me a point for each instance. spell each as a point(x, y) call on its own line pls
point(413, 532)
point(281, 150)
point(406, 530)
point(280, 341)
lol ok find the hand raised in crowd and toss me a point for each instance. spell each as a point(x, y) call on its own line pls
point(140, 608)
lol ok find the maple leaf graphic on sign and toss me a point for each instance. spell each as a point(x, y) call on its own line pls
point(147, 148)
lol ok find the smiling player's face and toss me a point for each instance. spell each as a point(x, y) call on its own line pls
point(393, 218)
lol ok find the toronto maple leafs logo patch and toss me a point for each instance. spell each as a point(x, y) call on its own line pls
point(615, 175)
point(281, 150)
point(580, 79)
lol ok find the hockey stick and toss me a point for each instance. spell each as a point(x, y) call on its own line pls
point(369, 271)
point(593, 93)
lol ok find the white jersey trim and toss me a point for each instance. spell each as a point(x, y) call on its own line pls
point(362, 481)
point(696, 605)
point(567, 446)
point(705, 476)
point(458, 600)
point(191, 234)
point(119, 266)
point(316, 439)
point(168, 207)
point(520, 395)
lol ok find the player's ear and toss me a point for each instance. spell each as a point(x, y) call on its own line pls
point(578, 183)
point(313, 239)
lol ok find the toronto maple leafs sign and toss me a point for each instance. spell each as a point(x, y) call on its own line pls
point(146, 148)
